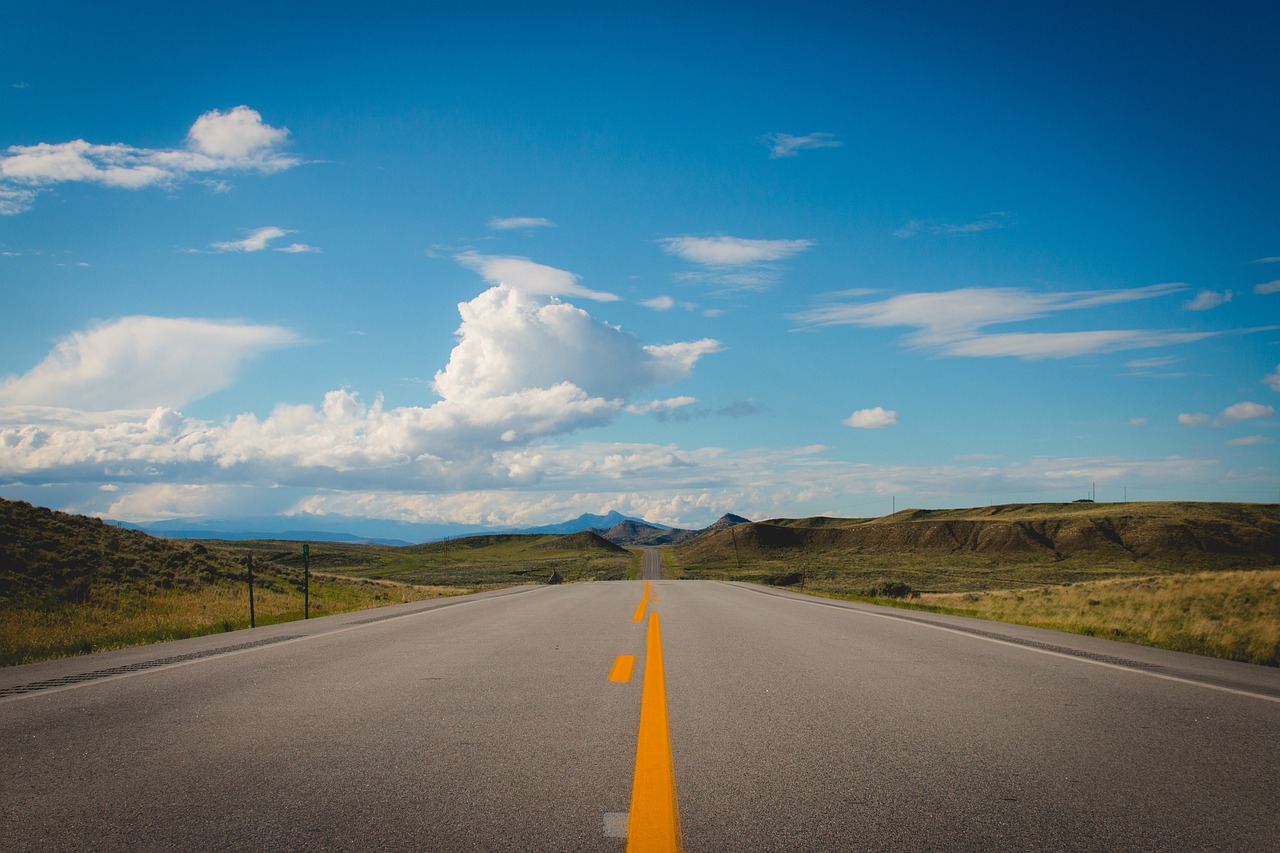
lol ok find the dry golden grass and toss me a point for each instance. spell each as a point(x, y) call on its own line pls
point(112, 619)
point(1233, 615)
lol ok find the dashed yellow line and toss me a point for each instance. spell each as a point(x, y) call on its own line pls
point(654, 822)
point(621, 671)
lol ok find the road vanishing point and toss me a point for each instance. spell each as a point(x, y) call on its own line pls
point(640, 715)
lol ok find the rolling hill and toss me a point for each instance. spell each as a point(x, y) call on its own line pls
point(992, 547)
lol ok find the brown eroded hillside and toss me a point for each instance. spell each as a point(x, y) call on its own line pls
point(1064, 540)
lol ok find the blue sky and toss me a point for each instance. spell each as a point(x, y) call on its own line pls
point(504, 265)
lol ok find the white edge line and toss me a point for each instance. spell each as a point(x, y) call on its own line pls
point(1079, 658)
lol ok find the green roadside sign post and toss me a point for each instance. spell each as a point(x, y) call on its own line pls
point(306, 581)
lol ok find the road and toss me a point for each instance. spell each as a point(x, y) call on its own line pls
point(512, 721)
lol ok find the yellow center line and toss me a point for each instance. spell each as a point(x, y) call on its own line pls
point(654, 822)
point(639, 617)
point(622, 668)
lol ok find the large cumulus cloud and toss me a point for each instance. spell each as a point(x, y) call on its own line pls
point(525, 367)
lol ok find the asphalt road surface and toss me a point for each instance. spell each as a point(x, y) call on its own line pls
point(513, 721)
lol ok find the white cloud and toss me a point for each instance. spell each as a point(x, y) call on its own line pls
point(877, 418)
point(1147, 363)
point(954, 321)
point(1193, 420)
point(732, 251)
point(256, 241)
point(1137, 421)
point(509, 223)
point(529, 277)
point(1267, 288)
point(915, 227)
point(733, 264)
point(1272, 379)
point(237, 140)
point(672, 485)
point(785, 145)
point(1033, 345)
point(659, 303)
point(237, 135)
point(158, 501)
point(510, 341)
point(1207, 299)
point(14, 200)
point(141, 362)
point(1249, 441)
point(389, 465)
point(1275, 260)
point(661, 405)
point(1244, 411)
point(524, 368)
point(299, 249)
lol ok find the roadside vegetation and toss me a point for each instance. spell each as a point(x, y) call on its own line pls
point(72, 585)
point(1196, 577)
point(1232, 615)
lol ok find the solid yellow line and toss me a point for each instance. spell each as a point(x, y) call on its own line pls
point(622, 668)
point(654, 824)
point(640, 607)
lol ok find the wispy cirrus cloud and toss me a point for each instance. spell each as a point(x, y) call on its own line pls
point(1151, 363)
point(235, 141)
point(915, 227)
point(1267, 288)
point(516, 223)
point(733, 263)
point(786, 145)
point(732, 251)
point(529, 276)
point(260, 239)
point(666, 303)
point(1206, 300)
point(956, 322)
point(15, 200)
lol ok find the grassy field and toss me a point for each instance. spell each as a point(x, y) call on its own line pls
point(71, 584)
point(111, 618)
point(477, 562)
point(1232, 615)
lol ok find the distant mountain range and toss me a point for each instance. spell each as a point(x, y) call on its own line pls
point(617, 528)
point(635, 532)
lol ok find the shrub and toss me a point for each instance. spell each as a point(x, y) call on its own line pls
point(890, 589)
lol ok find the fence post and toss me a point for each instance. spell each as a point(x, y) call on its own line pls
point(306, 581)
point(248, 559)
